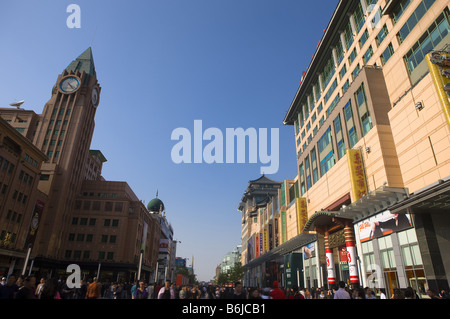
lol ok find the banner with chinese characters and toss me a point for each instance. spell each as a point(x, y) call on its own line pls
point(439, 65)
point(357, 176)
point(34, 225)
point(302, 214)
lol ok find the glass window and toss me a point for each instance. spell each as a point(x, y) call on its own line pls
point(399, 9)
point(315, 171)
point(339, 137)
point(326, 152)
point(382, 35)
point(363, 38)
point(308, 173)
point(359, 17)
point(428, 41)
point(302, 179)
point(368, 55)
point(350, 123)
point(348, 36)
point(415, 17)
point(363, 109)
point(352, 56)
point(386, 55)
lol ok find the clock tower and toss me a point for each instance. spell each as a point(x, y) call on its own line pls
point(64, 134)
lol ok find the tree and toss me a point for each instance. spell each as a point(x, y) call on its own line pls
point(185, 272)
point(237, 272)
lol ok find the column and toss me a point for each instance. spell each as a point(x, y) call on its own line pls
point(351, 253)
point(330, 261)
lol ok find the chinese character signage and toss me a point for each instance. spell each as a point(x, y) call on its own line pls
point(35, 219)
point(439, 65)
point(302, 214)
point(357, 176)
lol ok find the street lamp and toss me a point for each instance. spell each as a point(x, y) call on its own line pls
point(140, 267)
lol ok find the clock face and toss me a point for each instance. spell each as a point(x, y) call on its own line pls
point(69, 84)
point(95, 97)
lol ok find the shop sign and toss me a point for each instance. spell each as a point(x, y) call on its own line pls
point(383, 224)
point(302, 214)
point(357, 176)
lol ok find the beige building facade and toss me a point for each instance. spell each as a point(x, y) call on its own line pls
point(372, 136)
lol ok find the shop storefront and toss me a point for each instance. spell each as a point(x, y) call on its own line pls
point(389, 253)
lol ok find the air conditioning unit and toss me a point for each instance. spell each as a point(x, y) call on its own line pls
point(419, 106)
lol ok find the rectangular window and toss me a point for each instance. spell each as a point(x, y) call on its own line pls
point(428, 41)
point(348, 36)
point(339, 137)
point(352, 57)
point(308, 173)
point(386, 55)
point(330, 91)
point(356, 71)
point(302, 179)
point(326, 153)
point(368, 55)
point(363, 38)
point(363, 110)
point(415, 17)
point(400, 9)
point(359, 17)
point(315, 171)
point(382, 35)
point(350, 123)
point(343, 71)
point(339, 52)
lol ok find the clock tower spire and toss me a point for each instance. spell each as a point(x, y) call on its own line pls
point(64, 134)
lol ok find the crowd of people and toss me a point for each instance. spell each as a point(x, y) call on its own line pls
point(20, 287)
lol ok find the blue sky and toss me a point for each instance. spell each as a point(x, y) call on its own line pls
point(163, 64)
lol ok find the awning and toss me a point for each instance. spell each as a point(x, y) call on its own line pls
point(288, 247)
point(376, 201)
point(435, 198)
point(320, 219)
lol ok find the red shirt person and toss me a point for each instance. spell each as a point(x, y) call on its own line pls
point(276, 292)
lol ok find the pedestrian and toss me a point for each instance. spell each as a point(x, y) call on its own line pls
point(50, 290)
point(165, 292)
point(296, 294)
point(150, 289)
point(27, 291)
point(398, 294)
point(369, 293)
point(382, 293)
point(307, 294)
point(443, 294)
point(140, 292)
point(276, 292)
point(341, 293)
point(322, 294)
point(238, 293)
point(195, 293)
point(265, 293)
point(39, 287)
point(93, 290)
point(358, 293)
point(3, 282)
point(210, 293)
point(9, 290)
point(80, 293)
point(254, 294)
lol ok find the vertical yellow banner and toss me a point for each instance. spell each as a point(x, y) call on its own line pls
point(357, 176)
point(439, 65)
point(302, 214)
point(266, 239)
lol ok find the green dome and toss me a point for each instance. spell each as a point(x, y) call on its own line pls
point(155, 205)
